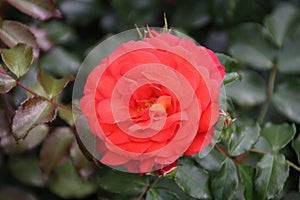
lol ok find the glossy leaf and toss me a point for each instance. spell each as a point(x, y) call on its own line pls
point(53, 86)
point(39, 9)
point(33, 139)
point(121, 182)
point(271, 174)
point(282, 22)
point(250, 91)
point(251, 46)
point(37, 88)
point(225, 182)
point(83, 166)
point(59, 62)
point(211, 161)
point(288, 58)
point(231, 78)
point(55, 149)
point(12, 33)
point(26, 170)
point(243, 139)
point(18, 59)
point(32, 111)
point(278, 136)
point(66, 183)
point(6, 83)
point(296, 147)
point(193, 181)
point(247, 178)
point(286, 99)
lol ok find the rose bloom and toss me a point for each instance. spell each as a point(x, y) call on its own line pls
point(151, 101)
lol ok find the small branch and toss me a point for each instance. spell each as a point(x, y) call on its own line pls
point(50, 101)
point(222, 151)
point(148, 188)
point(291, 164)
point(270, 92)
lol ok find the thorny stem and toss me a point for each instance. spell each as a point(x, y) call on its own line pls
point(291, 164)
point(148, 188)
point(270, 92)
point(50, 101)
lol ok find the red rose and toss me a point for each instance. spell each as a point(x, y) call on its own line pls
point(151, 101)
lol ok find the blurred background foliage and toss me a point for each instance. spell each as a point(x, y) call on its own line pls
point(257, 157)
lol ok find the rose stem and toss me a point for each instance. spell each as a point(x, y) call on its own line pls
point(148, 188)
point(270, 92)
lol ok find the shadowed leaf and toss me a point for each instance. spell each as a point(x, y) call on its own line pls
point(39, 9)
point(12, 33)
point(247, 176)
point(225, 182)
point(193, 181)
point(55, 149)
point(296, 147)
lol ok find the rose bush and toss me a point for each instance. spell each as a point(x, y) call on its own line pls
point(151, 101)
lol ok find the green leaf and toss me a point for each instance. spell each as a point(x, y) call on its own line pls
point(288, 58)
point(38, 89)
point(18, 59)
point(282, 22)
point(296, 147)
point(66, 115)
point(8, 193)
point(32, 111)
point(38, 9)
point(55, 149)
point(211, 161)
point(286, 99)
point(83, 166)
point(59, 62)
point(251, 46)
point(53, 86)
point(231, 78)
point(12, 33)
point(33, 139)
point(121, 182)
point(243, 139)
point(246, 175)
point(26, 170)
point(225, 182)
point(6, 83)
point(58, 32)
point(159, 194)
point(227, 61)
point(272, 172)
point(66, 183)
point(278, 136)
point(250, 91)
point(193, 181)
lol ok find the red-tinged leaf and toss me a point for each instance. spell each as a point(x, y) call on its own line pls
point(83, 166)
point(12, 33)
point(6, 83)
point(33, 111)
point(33, 139)
point(38, 9)
point(42, 39)
point(51, 85)
point(18, 59)
point(55, 149)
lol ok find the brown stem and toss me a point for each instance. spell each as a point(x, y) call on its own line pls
point(50, 101)
point(148, 188)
